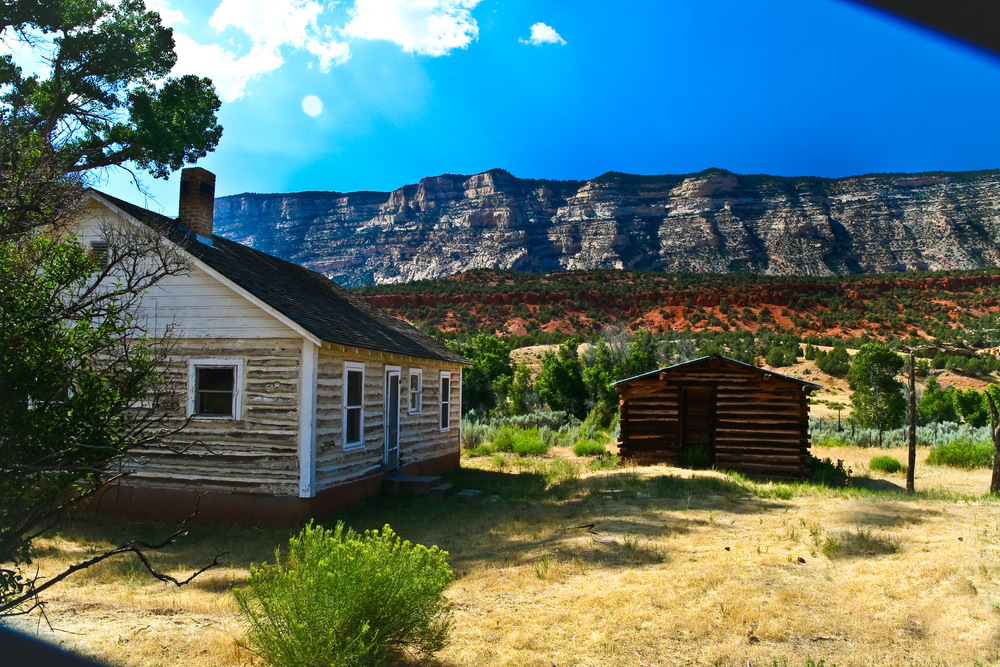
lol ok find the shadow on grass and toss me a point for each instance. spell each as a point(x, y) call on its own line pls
point(880, 485)
point(860, 542)
point(892, 514)
point(236, 547)
point(613, 518)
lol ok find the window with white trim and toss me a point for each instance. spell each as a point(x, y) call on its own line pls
point(416, 391)
point(214, 388)
point(445, 400)
point(354, 410)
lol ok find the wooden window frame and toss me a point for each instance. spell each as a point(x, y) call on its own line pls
point(445, 397)
point(237, 399)
point(416, 395)
point(352, 409)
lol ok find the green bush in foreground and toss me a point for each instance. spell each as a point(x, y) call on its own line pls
point(340, 598)
point(886, 464)
point(962, 453)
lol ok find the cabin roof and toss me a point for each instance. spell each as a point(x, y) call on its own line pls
point(704, 361)
point(313, 301)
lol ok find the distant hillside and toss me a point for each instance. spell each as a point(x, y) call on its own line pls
point(958, 307)
point(711, 222)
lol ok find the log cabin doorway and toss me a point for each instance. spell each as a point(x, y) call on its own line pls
point(391, 461)
point(697, 427)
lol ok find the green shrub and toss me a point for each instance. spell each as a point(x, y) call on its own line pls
point(340, 598)
point(524, 442)
point(589, 448)
point(886, 464)
point(530, 446)
point(606, 461)
point(962, 453)
point(828, 473)
point(473, 434)
point(483, 450)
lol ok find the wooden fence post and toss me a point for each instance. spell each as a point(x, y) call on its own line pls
point(912, 460)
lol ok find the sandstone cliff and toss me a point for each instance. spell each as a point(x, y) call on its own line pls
point(714, 221)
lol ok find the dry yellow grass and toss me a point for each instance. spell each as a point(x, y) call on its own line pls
point(682, 568)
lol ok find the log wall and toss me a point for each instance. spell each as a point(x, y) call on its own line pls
point(760, 426)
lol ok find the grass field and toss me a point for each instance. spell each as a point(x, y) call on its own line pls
point(679, 568)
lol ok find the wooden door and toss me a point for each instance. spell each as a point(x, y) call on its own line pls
point(698, 427)
point(392, 420)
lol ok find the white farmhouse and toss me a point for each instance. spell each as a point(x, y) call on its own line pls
point(299, 397)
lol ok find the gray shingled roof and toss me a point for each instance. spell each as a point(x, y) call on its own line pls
point(312, 300)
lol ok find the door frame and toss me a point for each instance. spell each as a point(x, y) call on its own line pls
point(712, 392)
point(388, 461)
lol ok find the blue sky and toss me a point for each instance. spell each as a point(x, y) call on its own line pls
point(375, 94)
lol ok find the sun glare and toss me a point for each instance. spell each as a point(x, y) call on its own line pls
point(312, 105)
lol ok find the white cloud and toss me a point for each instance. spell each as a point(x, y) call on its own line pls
point(542, 34)
point(170, 17)
point(230, 73)
point(272, 26)
point(426, 27)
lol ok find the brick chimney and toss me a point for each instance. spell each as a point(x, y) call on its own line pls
point(197, 204)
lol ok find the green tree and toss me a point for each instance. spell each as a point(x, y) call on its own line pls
point(616, 355)
point(836, 362)
point(106, 99)
point(878, 400)
point(78, 374)
point(936, 404)
point(521, 394)
point(973, 407)
point(560, 381)
point(78, 386)
point(486, 383)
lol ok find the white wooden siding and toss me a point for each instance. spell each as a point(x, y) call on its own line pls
point(420, 436)
point(197, 305)
point(256, 453)
point(194, 305)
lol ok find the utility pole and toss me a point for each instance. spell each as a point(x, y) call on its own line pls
point(912, 461)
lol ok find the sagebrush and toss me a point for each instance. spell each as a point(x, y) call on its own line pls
point(886, 464)
point(340, 598)
point(962, 453)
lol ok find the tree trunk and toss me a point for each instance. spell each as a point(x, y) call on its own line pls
point(995, 432)
point(911, 463)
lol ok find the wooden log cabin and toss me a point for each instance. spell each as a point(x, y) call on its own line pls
point(717, 411)
point(295, 397)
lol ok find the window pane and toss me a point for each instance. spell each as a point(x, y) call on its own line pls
point(353, 425)
point(415, 392)
point(213, 390)
point(445, 402)
point(354, 388)
point(214, 403)
point(215, 378)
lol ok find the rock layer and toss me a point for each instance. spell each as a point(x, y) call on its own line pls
point(714, 221)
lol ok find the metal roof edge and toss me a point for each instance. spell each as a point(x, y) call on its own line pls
point(719, 356)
